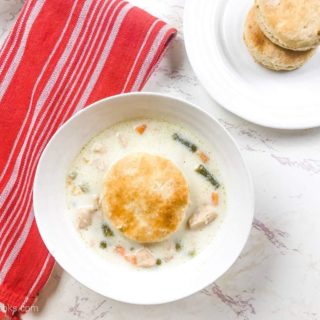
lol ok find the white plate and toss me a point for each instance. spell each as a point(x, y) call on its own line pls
point(213, 36)
point(125, 283)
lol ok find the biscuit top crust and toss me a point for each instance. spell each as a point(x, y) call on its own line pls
point(294, 22)
point(266, 51)
point(145, 197)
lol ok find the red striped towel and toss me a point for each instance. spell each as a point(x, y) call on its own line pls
point(61, 56)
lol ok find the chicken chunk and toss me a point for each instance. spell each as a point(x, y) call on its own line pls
point(99, 164)
point(97, 147)
point(122, 140)
point(202, 217)
point(170, 251)
point(145, 258)
point(85, 215)
point(96, 201)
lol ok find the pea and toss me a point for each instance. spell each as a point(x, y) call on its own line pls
point(103, 245)
point(107, 231)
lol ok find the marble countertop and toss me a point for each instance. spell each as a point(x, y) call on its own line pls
point(278, 273)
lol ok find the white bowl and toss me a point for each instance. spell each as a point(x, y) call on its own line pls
point(158, 285)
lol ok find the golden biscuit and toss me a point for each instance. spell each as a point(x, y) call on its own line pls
point(291, 24)
point(267, 53)
point(145, 197)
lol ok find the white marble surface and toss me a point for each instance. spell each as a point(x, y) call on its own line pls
point(278, 273)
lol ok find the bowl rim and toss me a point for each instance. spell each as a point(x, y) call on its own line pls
point(189, 105)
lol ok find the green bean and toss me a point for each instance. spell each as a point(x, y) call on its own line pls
point(209, 176)
point(191, 146)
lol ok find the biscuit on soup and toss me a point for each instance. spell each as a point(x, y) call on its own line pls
point(145, 197)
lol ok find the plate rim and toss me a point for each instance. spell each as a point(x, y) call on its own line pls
point(221, 99)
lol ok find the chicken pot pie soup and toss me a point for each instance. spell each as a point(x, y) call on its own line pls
point(146, 192)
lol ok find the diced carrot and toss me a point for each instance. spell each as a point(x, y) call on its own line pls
point(215, 198)
point(141, 129)
point(204, 158)
point(120, 250)
point(131, 259)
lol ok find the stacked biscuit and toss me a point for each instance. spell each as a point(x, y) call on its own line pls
point(283, 34)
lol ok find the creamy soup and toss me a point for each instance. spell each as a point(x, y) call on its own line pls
point(110, 229)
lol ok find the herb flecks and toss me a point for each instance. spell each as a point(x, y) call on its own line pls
point(73, 175)
point(84, 187)
point(192, 253)
point(209, 176)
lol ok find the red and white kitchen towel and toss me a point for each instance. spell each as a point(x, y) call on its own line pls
point(60, 56)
